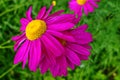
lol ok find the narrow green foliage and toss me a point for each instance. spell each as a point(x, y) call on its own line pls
point(104, 24)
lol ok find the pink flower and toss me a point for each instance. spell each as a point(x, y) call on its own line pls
point(38, 42)
point(79, 5)
point(74, 51)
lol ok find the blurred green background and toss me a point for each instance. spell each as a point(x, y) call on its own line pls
point(104, 24)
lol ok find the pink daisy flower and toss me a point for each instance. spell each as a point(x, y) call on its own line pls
point(38, 39)
point(74, 51)
point(79, 5)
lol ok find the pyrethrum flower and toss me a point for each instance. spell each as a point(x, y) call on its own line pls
point(74, 51)
point(38, 42)
point(79, 5)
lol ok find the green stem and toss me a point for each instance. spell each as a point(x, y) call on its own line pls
point(14, 8)
point(113, 71)
point(5, 42)
point(6, 72)
point(3, 47)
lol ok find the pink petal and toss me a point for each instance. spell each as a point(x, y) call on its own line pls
point(97, 0)
point(18, 43)
point(19, 40)
point(86, 10)
point(93, 3)
point(70, 64)
point(55, 14)
point(87, 46)
point(81, 36)
point(21, 52)
point(79, 49)
point(25, 57)
point(50, 56)
point(35, 55)
point(80, 29)
point(44, 65)
point(15, 38)
point(84, 38)
point(72, 56)
point(61, 27)
point(62, 66)
point(56, 42)
point(49, 44)
point(41, 13)
point(62, 36)
point(83, 57)
point(54, 70)
point(28, 13)
point(61, 19)
point(24, 23)
point(48, 12)
point(89, 7)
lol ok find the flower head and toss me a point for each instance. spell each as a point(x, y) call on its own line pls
point(74, 52)
point(38, 42)
point(79, 5)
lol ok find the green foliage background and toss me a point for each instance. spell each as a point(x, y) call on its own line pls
point(104, 24)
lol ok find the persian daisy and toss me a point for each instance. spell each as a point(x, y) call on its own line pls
point(74, 51)
point(38, 39)
point(79, 5)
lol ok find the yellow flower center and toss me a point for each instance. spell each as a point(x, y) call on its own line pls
point(35, 29)
point(81, 2)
